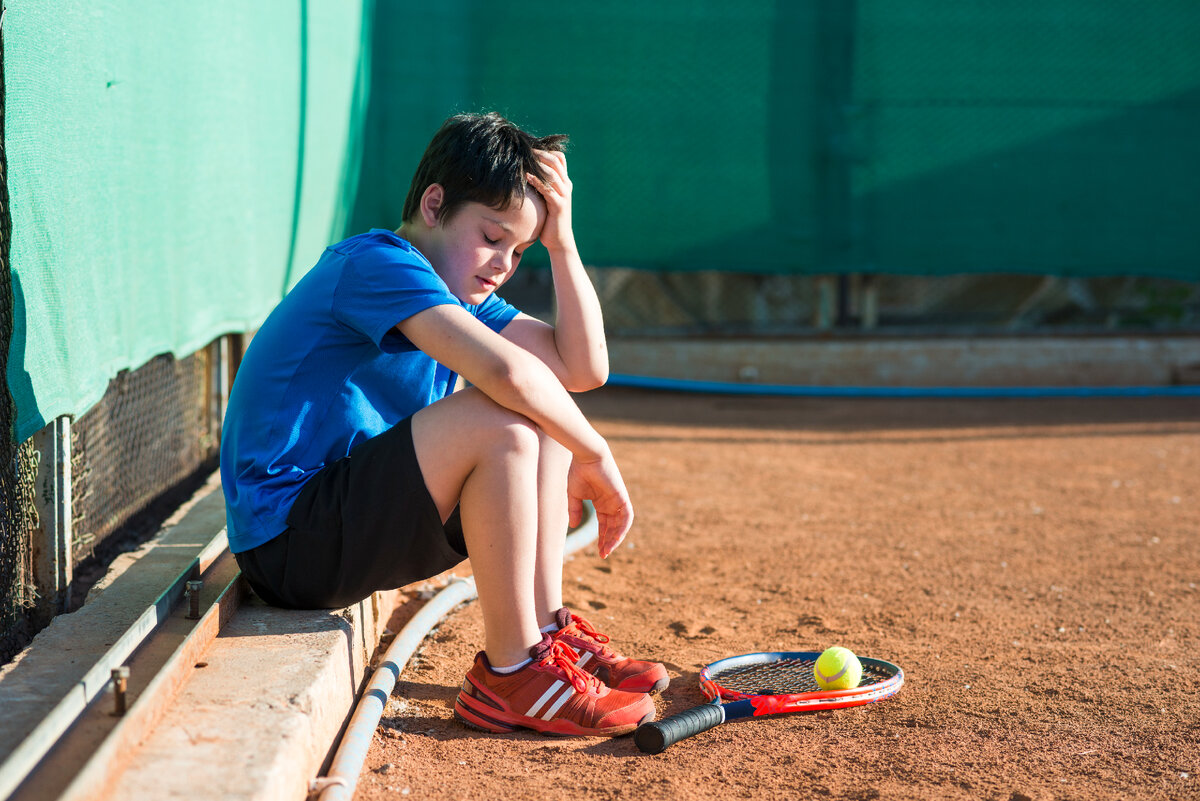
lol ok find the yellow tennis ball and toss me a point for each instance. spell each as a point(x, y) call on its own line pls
point(837, 669)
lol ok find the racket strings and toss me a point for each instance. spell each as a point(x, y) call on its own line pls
point(783, 677)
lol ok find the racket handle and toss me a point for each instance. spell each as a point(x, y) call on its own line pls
point(653, 738)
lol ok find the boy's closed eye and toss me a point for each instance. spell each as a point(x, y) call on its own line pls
point(493, 241)
point(495, 236)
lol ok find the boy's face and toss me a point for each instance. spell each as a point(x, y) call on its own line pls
point(478, 248)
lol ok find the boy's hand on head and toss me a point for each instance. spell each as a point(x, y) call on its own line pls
point(600, 482)
point(557, 234)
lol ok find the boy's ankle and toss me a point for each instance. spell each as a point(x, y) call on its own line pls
point(506, 669)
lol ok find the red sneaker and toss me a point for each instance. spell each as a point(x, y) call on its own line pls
point(618, 672)
point(551, 695)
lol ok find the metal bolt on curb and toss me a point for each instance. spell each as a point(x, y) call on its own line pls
point(193, 593)
point(120, 679)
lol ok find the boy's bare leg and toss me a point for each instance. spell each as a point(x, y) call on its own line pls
point(553, 462)
point(483, 458)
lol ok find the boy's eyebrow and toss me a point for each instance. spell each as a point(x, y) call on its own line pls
point(505, 227)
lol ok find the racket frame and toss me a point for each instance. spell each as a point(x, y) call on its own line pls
point(710, 685)
point(656, 736)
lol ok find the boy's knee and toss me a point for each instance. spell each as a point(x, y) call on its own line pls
point(503, 427)
point(517, 434)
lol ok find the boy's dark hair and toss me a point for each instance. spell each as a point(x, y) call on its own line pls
point(480, 158)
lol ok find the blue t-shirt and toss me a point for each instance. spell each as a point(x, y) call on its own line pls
point(327, 371)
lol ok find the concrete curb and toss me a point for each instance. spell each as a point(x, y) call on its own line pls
point(945, 361)
point(260, 718)
point(60, 673)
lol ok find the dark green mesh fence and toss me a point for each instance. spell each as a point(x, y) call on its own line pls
point(1050, 137)
point(16, 460)
point(929, 138)
point(1010, 166)
point(153, 429)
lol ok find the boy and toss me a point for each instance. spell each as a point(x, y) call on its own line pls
point(349, 466)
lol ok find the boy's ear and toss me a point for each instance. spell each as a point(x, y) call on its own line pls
point(431, 203)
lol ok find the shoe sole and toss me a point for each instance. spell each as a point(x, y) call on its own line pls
point(495, 721)
point(657, 687)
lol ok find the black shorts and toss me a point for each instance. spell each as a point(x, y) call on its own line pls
point(361, 524)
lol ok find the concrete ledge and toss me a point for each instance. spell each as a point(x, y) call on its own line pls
point(1061, 361)
point(56, 662)
point(261, 717)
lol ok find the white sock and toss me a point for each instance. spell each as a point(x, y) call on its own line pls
point(511, 668)
point(553, 627)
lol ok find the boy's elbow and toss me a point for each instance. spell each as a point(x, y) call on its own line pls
point(589, 380)
point(599, 372)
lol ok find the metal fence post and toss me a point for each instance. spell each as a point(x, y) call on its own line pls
point(53, 562)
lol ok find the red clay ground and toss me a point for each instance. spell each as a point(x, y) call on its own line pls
point(1032, 564)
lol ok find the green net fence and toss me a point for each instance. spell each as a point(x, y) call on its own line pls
point(969, 166)
point(187, 164)
point(153, 429)
point(16, 459)
point(176, 175)
point(862, 136)
point(170, 171)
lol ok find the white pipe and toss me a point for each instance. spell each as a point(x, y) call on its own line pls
point(339, 783)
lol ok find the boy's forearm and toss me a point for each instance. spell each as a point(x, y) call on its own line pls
point(506, 372)
point(579, 323)
point(527, 386)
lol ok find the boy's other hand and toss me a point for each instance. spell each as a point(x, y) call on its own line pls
point(557, 234)
point(600, 482)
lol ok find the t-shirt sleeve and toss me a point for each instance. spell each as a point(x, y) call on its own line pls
point(382, 286)
point(495, 313)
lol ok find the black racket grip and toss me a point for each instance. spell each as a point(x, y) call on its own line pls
point(653, 738)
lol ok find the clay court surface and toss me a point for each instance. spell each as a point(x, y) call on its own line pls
point(1033, 565)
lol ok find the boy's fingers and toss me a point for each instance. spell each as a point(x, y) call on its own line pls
point(613, 528)
point(556, 166)
point(540, 184)
point(574, 511)
point(608, 542)
point(556, 163)
point(555, 156)
point(602, 539)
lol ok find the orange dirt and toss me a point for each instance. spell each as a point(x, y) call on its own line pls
point(1033, 565)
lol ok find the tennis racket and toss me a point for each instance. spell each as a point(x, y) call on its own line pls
point(765, 684)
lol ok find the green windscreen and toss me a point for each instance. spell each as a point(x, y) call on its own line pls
point(691, 123)
point(172, 168)
point(919, 137)
point(1056, 137)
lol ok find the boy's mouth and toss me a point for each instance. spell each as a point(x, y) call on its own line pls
point(485, 283)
